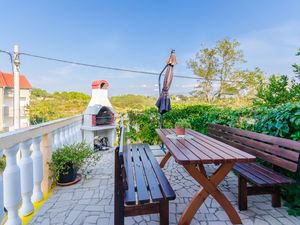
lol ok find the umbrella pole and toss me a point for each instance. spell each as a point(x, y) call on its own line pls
point(161, 115)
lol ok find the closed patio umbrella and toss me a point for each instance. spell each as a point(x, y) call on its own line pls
point(163, 103)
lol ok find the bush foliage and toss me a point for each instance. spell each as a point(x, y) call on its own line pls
point(282, 121)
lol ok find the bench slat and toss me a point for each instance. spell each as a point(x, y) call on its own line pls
point(248, 175)
point(291, 166)
point(277, 177)
point(153, 184)
point(270, 148)
point(287, 143)
point(130, 198)
point(261, 176)
point(168, 192)
point(141, 185)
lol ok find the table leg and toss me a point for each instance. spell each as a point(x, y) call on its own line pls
point(209, 187)
point(165, 159)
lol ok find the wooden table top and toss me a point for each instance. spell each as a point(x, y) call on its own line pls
point(201, 149)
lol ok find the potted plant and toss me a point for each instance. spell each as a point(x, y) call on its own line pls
point(67, 160)
point(181, 125)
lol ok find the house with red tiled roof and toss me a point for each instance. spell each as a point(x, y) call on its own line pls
point(7, 101)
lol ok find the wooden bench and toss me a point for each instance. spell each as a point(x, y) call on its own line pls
point(140, 185)
point(279, 153)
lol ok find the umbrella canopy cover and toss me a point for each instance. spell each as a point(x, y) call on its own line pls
point(163, 103)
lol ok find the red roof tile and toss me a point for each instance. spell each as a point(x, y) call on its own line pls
point(7, 80)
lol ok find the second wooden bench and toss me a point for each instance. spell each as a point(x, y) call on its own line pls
point(279, 153)
point(140, 185)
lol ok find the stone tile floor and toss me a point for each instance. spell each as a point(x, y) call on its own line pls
point(91, 201)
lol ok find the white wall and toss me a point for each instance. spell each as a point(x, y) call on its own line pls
point(7, 119)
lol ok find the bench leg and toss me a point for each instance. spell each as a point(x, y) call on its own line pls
point(119, 209)
point(276, 199)
point(243, 201)
point(164, 212)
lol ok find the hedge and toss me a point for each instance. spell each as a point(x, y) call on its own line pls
point(282, 121)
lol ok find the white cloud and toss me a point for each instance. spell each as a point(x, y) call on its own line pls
point(272, 49)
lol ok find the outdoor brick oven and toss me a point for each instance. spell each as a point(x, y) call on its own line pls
point(99, 116)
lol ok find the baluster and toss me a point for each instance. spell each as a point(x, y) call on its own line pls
point(79, 134)
point(74, 127)
point(62, 137)
point(66, 133)
point(71, 136)
point(37, 158)
point(12, 185)
point(26, 166)
point(56, 140)
point(1, 192)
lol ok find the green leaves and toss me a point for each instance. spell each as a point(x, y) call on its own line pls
point(282, 121)
point(278, 91)
point(219, 62)
point(75, 155)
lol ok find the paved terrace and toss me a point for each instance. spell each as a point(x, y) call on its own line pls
point(91, 201)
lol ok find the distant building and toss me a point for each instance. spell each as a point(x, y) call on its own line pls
point(7, 101)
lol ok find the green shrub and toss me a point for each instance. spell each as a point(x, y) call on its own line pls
point(282, 121)
point(75, 155)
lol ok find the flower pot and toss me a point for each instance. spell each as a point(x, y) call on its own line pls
point(68, 176)
point(180, 131)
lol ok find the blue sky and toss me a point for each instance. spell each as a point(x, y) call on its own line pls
point(139, 35)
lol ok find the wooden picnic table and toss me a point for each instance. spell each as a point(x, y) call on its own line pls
point(192, 153)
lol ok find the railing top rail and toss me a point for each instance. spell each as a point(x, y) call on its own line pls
point(11, 138)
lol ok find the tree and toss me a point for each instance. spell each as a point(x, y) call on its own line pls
point(229, 55)
point(39, 93)
point(205, 65)
point(219, 63)
point(278, 91)
point(297, 66)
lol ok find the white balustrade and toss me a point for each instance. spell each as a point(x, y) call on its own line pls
point(67, 135)
point(37, 158)
point(62, 137)
point(22, 180)
point(26, 166)
point(74, 136)
point(1, 192)
point(56, 140)
point(71, 135)
point(79, 132)
point(12, 185)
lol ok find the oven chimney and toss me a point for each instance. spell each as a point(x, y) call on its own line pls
point(100, 93)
